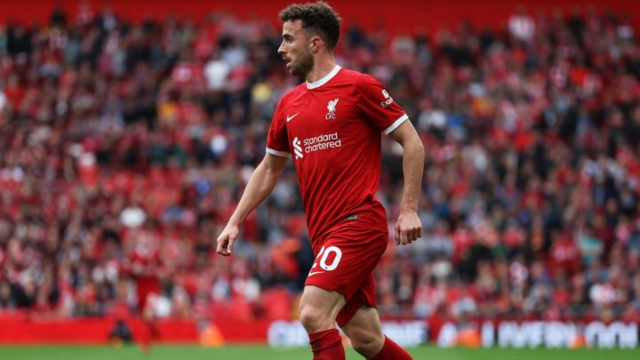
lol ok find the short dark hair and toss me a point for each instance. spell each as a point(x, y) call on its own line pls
point(317, 17)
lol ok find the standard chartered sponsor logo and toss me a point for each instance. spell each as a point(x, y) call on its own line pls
point(317, 143)
point(322, 142)
point(297, 149)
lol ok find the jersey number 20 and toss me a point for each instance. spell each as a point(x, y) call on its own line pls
point(324, 255)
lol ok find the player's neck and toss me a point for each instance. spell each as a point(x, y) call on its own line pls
point(322, 67)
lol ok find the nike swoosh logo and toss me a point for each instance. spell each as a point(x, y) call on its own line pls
point(317, 272)
point(289, 118)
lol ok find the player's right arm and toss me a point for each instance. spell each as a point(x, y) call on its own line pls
point(260, 185)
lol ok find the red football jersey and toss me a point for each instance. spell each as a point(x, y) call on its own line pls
point(332, 127)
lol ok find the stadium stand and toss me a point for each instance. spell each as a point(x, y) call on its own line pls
point(124, 146)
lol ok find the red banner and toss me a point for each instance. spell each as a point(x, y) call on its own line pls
point(17, 329)
point(397, 16)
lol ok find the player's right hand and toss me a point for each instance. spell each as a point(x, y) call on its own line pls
point(226, 240)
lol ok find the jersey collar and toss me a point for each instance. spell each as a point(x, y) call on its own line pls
point(324, 80)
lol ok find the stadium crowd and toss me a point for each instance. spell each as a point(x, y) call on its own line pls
point(124, 148)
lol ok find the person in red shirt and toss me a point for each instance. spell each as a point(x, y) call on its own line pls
point(331, 126)
point(564, 253)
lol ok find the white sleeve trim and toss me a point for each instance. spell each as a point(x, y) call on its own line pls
point(278, 153)
point(395, 124)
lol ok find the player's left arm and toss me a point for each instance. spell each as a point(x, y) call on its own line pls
point(409, 226)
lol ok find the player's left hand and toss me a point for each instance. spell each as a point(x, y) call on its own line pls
point(408, 228)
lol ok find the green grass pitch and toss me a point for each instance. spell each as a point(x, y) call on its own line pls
point(266, 353)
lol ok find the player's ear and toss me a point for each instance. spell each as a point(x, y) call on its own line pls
point(315, 43)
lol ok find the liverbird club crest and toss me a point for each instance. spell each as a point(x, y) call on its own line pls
point(331, 115)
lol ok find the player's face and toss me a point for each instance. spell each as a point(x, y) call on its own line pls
point(295, 48)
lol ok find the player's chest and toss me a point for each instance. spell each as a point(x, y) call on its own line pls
point(315, 113)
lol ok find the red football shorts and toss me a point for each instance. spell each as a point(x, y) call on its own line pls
point(345, 262)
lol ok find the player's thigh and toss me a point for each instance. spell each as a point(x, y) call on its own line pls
point(365, 324)
point(320, 305)
point(365, 332)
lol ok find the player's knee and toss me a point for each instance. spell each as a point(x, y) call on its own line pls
point(314, 319)
point(367, 343)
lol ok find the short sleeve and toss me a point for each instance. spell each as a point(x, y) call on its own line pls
point(377, 105)
point(277, 139)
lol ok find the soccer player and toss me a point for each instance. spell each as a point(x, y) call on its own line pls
point(331, 125)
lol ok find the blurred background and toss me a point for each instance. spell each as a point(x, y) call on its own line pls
point(128, 130)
